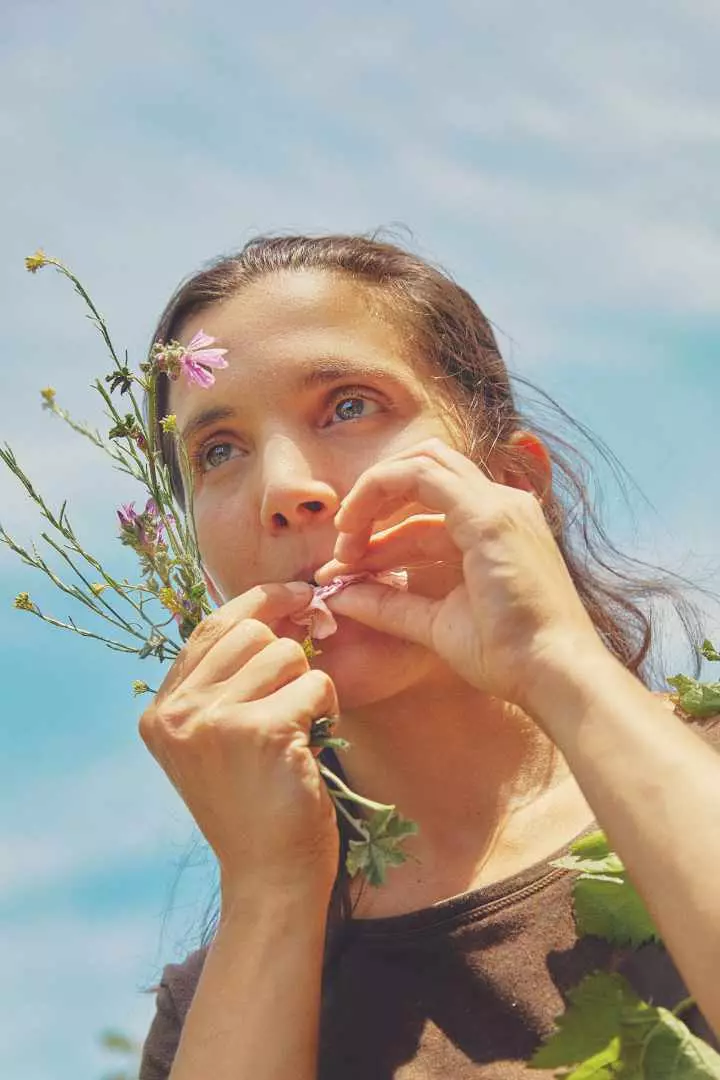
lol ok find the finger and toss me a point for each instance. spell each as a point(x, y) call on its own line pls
point(265, 603)
point(438, 478)
point(418, 541)
point(279, 663)
point(230, 653)
point(404, 615)
point(307, 698)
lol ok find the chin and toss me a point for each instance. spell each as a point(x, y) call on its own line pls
point(368, 666)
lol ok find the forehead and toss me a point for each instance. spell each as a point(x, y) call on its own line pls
point(279, 327)
point(288, 307)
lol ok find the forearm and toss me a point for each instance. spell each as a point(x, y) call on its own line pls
point(255, 1013)
point(655, 789)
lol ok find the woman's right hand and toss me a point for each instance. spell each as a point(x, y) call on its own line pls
point(230, 726)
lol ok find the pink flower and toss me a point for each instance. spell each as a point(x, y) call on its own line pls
point(197, 358)
point(317, 616)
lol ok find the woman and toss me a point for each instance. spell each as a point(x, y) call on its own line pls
point(365, 422)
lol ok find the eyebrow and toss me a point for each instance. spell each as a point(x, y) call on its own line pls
point(324, 370)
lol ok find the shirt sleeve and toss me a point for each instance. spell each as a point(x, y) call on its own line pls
point(163, 1037)
point(173, 999)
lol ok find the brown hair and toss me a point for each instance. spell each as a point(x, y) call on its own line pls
point(448, 328)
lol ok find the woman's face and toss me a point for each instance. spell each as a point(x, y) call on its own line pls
point(318, 388)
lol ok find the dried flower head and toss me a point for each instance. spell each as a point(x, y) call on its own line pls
point(35, 262)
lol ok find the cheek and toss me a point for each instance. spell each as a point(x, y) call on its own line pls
point(228, 548)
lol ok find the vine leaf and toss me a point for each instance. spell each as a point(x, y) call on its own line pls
point(605, 900)
point(696, 698)
point(709, 651)
point(608, 1032)
point(385, 829)
point(671, 1052)
point(588, 1032)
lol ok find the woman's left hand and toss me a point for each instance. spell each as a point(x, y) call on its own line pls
point(516, 608)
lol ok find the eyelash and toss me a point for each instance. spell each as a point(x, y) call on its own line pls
point(344, 393)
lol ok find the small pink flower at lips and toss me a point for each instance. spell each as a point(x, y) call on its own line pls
point(198, 357)
point(317, 615)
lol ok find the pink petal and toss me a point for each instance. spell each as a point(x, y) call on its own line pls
point(210, 357)
point(317, 615)
point(200, 340)
point(195, 373)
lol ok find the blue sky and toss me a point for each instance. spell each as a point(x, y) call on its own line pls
point(561, 161)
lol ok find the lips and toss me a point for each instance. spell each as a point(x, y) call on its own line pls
point(317, 616)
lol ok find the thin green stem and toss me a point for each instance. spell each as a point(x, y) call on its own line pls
point(346, 792)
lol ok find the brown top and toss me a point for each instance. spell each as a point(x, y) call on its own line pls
point(463, 990)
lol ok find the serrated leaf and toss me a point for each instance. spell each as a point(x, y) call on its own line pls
point(659, 1046)
point(610, 864)
point(590, 1025)
point(610, 908)
point(709, 651)
point(696, 698)
point(386, 829)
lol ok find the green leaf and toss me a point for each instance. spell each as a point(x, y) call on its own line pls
point(709, 651)
point(593, 846)
point(696, 698)
point(672, 1052)
point(588, 1032)
point(386, 829)
point(610, 864)
point(611, 908)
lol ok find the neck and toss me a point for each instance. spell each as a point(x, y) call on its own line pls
point(463, 766)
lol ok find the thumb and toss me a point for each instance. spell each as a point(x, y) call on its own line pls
point(402, 614)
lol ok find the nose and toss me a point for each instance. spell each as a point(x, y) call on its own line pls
point(292, 496)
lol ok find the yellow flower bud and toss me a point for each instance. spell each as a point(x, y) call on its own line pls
point(169, 424)
point(23, 602)
point(35, 262)
point(48, 395)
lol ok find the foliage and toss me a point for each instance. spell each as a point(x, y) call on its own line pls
point(607, 1032)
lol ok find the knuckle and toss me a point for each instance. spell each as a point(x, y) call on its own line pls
point(207, 632)
point(257, 631)
point(291, 652)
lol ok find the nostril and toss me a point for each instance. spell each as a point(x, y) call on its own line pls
point(279, 521)
point(313, 506)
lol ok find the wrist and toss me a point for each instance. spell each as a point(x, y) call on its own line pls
point(567, 680)
point(249, 899)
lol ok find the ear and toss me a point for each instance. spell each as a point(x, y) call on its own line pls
point(529, 468)
point(212, 588)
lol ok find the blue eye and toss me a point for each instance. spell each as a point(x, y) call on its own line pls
point(350, 408)
point(215, 455)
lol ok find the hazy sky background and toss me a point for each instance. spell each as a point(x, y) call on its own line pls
point(561, 161)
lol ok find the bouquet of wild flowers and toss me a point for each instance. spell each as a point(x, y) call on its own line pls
point(155, 614)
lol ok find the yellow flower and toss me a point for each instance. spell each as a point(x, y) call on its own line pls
point(35, 262)
point(309, 648)
point(48, 395)
point(169, 424)
point(23, 602)
point(169, 600)
point(139, 687)
point(97, 587)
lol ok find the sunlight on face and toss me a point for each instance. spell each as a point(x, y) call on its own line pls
point(318, 388)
